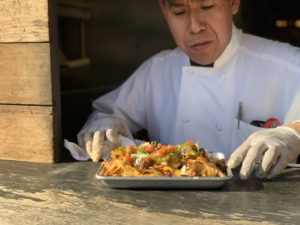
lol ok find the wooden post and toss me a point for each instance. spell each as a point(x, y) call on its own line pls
point(29, 85)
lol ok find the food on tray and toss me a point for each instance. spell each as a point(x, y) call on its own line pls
point(155, 159)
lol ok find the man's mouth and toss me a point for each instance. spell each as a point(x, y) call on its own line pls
point(200, 46)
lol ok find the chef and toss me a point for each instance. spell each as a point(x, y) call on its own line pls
point(220, 87)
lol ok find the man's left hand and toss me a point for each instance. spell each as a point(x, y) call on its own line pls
point(268, 151)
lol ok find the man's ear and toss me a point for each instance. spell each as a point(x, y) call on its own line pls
point(162, 4)
point(235, 6)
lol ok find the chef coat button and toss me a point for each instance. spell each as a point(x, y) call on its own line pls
point(219, 127)
point(184, 120)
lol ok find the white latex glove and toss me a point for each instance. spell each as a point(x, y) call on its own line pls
point(268, 151)
point(81, 154)
point(101, 134)
point(100, 143)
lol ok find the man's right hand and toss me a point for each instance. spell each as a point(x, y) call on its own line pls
point(101, 142)
point(102, 134)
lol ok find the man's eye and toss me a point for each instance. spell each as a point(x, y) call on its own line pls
point(179, 13)
point(207, 7)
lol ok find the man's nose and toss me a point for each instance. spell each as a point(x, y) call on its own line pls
point(197, 23)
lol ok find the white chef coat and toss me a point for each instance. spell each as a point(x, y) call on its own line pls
point(175, 101)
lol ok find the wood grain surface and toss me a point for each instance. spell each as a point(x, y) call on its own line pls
point(26, 133)
point(69, 193)
point(24, 21)
point(25, 74)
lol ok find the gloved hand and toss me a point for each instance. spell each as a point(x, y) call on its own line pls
point(101, 134)
point(268, 151)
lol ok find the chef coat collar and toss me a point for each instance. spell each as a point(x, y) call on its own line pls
point(197, 64)
point(231, 48)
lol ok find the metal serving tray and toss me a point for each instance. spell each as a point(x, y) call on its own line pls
point(165, 182)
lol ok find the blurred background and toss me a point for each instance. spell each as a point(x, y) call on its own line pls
point(102, 42)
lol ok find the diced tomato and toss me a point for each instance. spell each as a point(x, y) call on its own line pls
point(162, 150)
point(131, 149)
point(171, 148)
point(149, 148)
point(127, 158)
point(190, 142)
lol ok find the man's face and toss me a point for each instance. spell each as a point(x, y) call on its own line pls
point(201, 28)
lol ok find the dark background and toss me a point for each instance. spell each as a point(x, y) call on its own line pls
point(120, 35)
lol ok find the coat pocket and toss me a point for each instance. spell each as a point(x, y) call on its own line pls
point(241, 131)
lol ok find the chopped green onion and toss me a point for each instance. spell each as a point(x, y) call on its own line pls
point(141, 150)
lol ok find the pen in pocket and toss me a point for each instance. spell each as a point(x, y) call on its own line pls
point(240, 114)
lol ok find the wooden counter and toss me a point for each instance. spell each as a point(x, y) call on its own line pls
point(68, 193)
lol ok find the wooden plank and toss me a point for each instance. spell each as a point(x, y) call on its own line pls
point(25, 74)
point(26, 133)
point(24, 21)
